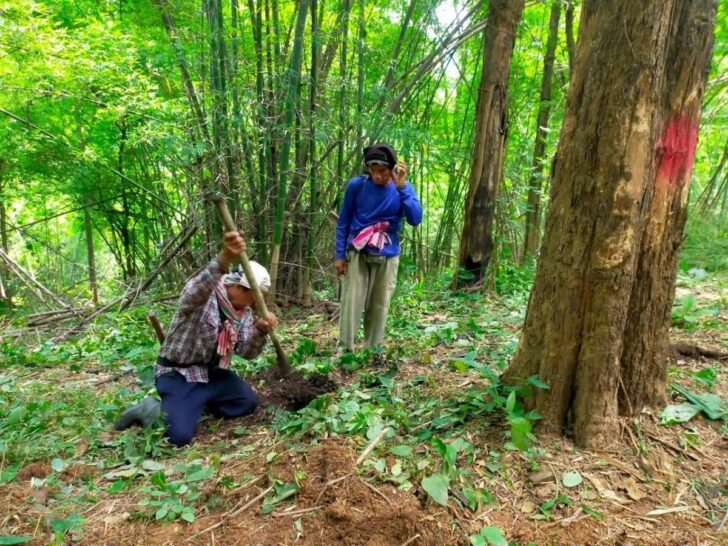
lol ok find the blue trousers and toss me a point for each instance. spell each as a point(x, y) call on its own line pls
point(226, 395)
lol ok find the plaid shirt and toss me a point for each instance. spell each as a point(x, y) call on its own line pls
point(193, 333)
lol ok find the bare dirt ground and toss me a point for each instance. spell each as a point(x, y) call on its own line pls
point(663, 485)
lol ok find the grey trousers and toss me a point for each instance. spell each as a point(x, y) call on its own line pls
point(367, 287)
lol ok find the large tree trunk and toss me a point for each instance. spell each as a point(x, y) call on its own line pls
point(598, 314)
point(646, 340)
point(535, 180)
point(476, 244)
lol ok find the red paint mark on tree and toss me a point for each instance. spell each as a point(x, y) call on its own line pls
point(676, 151)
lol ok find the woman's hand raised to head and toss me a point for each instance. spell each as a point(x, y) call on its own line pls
point(400, 175)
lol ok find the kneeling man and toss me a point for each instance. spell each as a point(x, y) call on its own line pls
point(214, 319)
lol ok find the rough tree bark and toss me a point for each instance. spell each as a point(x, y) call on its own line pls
point(476, 244)
point(646, 340)
point(598, 314)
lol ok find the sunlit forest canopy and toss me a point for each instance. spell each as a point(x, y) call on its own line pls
point(134, 111)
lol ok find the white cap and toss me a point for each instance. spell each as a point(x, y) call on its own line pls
point(238, 277)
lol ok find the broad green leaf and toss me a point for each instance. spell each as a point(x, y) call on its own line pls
point(117, 487)
point(520, 429)
point(706, 376)
point(436, 486)
point(678, 413)
point(188, 514)
point(152, 465)
point(14, 540)
point(380, 465)
point(16, 415)
point(494, 536)
point(511, 402)
point(711, 405)
point(401, 450)
point(537, 382)
point(571, 478)
point(201, 474)
point(69, 523)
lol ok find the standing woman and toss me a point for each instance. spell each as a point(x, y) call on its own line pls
point(367, 243)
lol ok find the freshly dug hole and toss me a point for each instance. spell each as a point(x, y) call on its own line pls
point(292, 392)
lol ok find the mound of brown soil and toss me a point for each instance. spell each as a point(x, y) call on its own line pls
point(38, 469)
point(352, 512)
point(333, 507)
point(292, 392)
point(337, 507)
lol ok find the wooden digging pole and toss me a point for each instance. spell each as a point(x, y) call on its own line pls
point(283, 367)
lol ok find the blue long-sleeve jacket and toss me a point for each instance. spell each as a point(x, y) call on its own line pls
point(365, 204)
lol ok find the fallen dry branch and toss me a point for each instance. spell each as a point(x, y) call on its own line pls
point(293, 513)
point(411, 540)
point(671, 510)
point(694, 351)
point(114, 377)
point(375, 490)
point(330, 483)
point(372, 445)
point(231, 514)
point(674, 448)
point(722, 523)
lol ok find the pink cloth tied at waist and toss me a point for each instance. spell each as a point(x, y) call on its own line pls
point(375, 235)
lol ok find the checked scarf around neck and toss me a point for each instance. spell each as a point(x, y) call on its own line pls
point(228, 335)
point(375, 236)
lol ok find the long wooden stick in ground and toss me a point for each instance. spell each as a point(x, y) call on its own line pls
point(284, 368)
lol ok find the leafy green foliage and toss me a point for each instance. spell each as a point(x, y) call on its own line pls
point(688, 314)
point(281, 492)
point(710, 404)
point(71, 525)
point(169, 500)
point(436, 486)
point(678, 413)
point(489, 535)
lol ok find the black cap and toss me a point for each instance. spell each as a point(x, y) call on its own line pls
point(380, 153)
